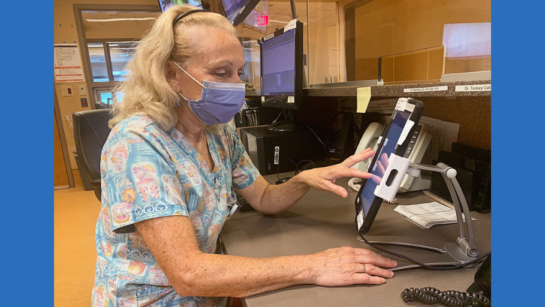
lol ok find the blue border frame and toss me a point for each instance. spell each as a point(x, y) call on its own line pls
point(517, 181)
point(517, 150)
point(27, 154)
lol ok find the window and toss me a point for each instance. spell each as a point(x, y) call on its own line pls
point(104, 97)
point(99, 68)
point(110, 65)
point(111, 37)
point(120, 54)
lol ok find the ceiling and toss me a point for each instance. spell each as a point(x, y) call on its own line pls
point(321, 13)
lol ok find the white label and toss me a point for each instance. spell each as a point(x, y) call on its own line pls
point(360, 219)
point(474, 88)
point(268, 37)
point(291, 99)
point(276, 154)
point(405, 132)
point(290, 25)
point(409, 107)
point(426, 89)
point(401, 104)
point(262, 98)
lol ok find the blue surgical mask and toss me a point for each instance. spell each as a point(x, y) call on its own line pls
point(219, 101)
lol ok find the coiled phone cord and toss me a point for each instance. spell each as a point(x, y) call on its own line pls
point(448, 298)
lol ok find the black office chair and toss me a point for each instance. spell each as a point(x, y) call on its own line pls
point(90, 133)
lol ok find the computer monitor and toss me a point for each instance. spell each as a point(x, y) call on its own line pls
point(237, 10)
point(165, 4)
point(282, 68)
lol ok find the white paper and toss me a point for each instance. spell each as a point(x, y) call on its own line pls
point(290, 25)
point(429, 214)
point(67, 63)
point(463, 40)
point(444, 134)
point(426, 89)
point(401, 104)
point(383, 106)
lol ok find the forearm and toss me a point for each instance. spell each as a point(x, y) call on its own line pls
point(278, 198)
point(222, 275)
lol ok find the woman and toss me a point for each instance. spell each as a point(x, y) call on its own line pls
point(168, 170)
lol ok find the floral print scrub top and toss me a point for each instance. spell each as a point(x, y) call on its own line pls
point(148, 173)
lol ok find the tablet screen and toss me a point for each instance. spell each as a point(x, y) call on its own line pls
point(380, 165)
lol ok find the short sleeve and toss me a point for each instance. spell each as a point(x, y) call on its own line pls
point(140, 179)
point(243, 171)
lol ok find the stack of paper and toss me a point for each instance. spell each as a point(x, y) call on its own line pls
point(428, 214)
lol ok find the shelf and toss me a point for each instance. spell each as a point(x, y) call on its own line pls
point(398, 90)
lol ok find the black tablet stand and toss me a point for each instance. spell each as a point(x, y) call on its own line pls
point(464, 250)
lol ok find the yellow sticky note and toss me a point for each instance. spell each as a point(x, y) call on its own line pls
point(364, 95)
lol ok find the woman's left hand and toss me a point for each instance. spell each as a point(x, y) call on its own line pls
point(323, 178)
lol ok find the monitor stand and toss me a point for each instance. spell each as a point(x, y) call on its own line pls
point(289, 124)
point(465, 249)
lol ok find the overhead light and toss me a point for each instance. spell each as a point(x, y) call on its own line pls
point(278, 21)
point(120, 19)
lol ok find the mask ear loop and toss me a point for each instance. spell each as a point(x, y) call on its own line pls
point(190, 76)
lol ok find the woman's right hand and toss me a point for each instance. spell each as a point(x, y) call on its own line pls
point(348, 266)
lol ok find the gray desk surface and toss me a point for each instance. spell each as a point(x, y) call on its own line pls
point(322, 220)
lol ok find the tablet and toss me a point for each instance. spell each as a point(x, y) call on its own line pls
point(396, 139)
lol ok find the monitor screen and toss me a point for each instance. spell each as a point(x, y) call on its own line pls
point(389, 147)
point(232, 8)
point(165, 4)
point(278, 65)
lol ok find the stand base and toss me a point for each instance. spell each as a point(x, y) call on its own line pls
point(416, 266)
point(455, 252)
point(452, 249)
point(429, 248)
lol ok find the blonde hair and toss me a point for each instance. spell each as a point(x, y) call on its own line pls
point(146, 90)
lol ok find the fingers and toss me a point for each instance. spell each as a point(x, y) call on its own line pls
point(384, 160)
point(381, 168)
point(336, 189)
point(351, 172)
point(376, 179)
point(376, 271)
point(367, 256)
point(367, 279)
point(364, 154)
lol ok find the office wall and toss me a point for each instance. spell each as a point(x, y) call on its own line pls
point(385, 27)
point(66, 32)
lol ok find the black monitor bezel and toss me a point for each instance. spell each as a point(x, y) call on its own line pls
point(281, 100)
point(241, 16)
